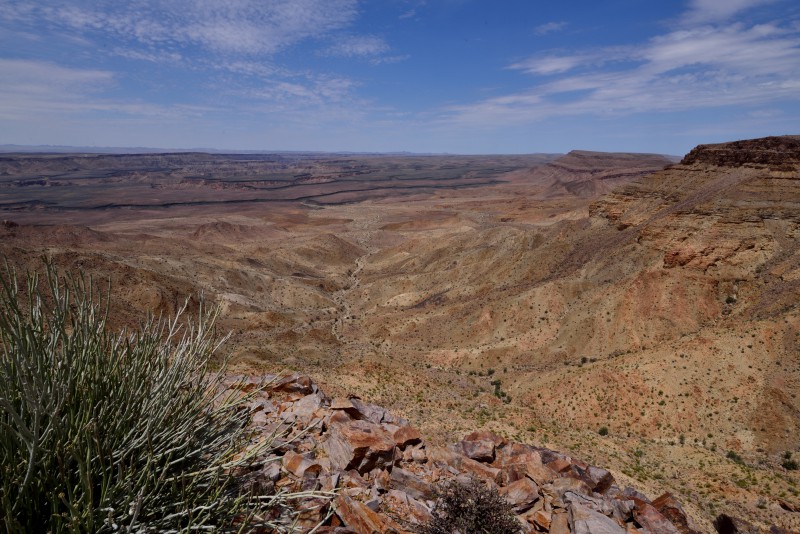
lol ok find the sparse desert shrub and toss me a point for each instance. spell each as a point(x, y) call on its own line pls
point(105, 431)
point(732, 455)
point(789, 464)
point(471, 507)
point(603, 431)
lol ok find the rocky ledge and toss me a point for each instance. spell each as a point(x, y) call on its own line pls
point(379, 475)
point(779, 153)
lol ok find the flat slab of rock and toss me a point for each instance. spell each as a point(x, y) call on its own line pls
point(411, 484)
point(583, 520)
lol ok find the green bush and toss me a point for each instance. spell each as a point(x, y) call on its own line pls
point(471, 507)
point(732, 455)
point(790, 465)
point(103, 432)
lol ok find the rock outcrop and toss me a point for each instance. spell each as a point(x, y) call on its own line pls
point(776, 152)
point(382, 476)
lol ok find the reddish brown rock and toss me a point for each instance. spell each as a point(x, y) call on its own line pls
point(671, 508)
point(521, 494)
point(405, 436)
point(511, 473)
point(599, 479)
point(418, 455)
point(652, 520)
point(300, 466)
point(386, 476)
point(341, 403)
point(479, 450)
point(559, 523)
point(542, 519)
point(485, 435)
point(246, 384)
point(357, 516)
point(359, 445)
point(294, 383)
point(560, 465)
point(678, 257)
point(459, 462)
point(406, 506)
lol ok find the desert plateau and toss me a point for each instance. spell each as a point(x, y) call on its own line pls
point(638, 312)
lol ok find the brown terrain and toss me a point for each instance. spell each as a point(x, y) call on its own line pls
point(543, 299)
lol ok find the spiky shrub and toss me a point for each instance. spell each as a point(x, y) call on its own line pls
point(104, 431)
point(470, 507)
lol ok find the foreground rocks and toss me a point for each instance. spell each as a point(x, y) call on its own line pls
point(382, 477)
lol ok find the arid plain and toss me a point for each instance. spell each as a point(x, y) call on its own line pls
point(543, 297)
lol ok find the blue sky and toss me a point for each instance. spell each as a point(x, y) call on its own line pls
point(460, 76)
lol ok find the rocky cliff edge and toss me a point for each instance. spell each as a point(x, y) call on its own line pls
point(381, 476)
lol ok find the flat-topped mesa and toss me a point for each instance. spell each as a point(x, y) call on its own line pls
point(778, 152)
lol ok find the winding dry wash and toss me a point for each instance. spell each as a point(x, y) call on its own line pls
point(541, 297)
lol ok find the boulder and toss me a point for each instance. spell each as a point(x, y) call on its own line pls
point(304, 410)
point(300, 466)
point(359, 445)
point(485, 435)
point(671, 508)
point(652, 521)
point(294, 383)
point(479, 450)
point(521, 494)
point(542, 519)
point(361, 519)
point(374, 413)
point(599, 479)
point(583, 520)
point(559, 523)
point(460, 463)
point(411, 485)
point(726, 524)
point(405, 436)
point(406, 506)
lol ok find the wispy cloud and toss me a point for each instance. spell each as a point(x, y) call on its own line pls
point(31, 89)
point(149, 55)
point(236, 43)
point(357, 45)
point(557, 63)
point(222, 26)
point(549, 27)
point(700, 66)
point(42, 87)
point(705, 11)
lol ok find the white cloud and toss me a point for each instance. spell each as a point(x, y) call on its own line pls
point(695, 68)
point(150, 56)
point(31, 89)
point(550, 27)
point(553, 63)
point(705, 11)
point(223, 26)
point(38, 86)
point(357, 45)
